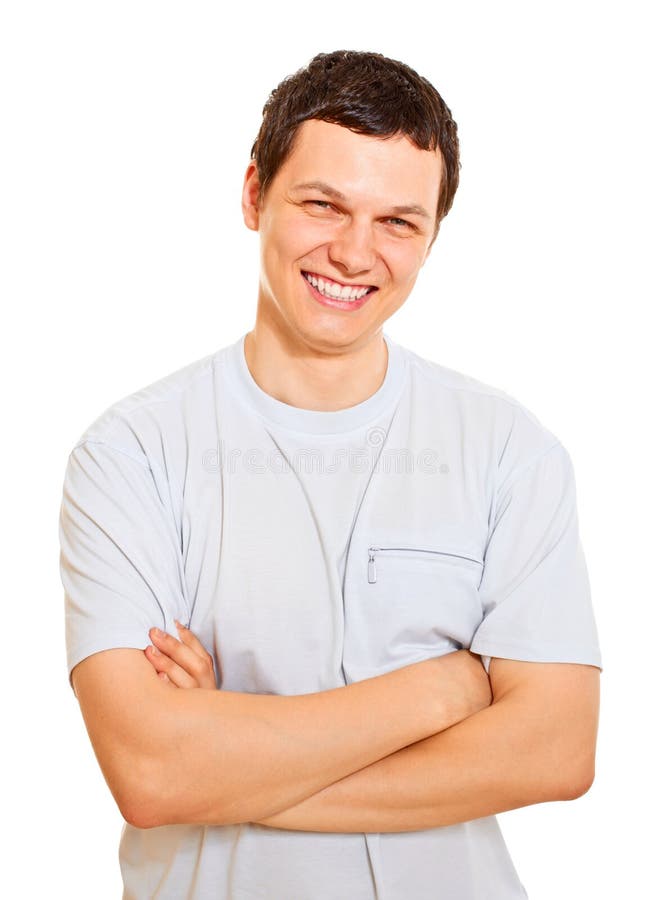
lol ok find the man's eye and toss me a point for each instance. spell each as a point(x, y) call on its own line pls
point(322, 204)
point(400, 222)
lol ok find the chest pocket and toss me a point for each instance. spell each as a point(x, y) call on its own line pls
point(420, 601)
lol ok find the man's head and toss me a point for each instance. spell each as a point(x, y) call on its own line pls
point(366, 93)
point(355, 165)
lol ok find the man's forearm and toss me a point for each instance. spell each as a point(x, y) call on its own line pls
point(484, 765)
point(261, 754)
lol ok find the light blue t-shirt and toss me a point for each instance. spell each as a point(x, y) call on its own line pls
point(308, 550)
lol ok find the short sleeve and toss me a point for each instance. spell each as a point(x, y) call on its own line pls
point(535, 589)
point(120, 560)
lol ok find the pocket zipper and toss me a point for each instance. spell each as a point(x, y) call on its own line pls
point(372, 577)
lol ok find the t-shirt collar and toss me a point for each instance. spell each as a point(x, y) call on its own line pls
point(317, 421)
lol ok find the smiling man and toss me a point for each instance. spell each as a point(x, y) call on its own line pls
point(327, 609)
point(345, 227)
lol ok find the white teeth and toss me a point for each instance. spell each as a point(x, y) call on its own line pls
point(335, 291)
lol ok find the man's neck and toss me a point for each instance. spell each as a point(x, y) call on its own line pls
point(308, 379)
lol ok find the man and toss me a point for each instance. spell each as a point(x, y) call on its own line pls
point(329, 532)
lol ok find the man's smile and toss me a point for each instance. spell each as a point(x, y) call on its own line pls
point(336, 295)
point(336, 290)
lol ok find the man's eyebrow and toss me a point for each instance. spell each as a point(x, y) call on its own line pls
point(319, 186)
point(414, 209)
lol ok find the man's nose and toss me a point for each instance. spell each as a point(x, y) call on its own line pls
point(353, 248)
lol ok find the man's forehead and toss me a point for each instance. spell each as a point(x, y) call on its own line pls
point(340, 163)
point(319, 134)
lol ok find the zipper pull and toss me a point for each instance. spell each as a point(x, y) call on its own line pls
point(371, 566)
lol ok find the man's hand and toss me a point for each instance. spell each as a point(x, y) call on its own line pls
point(181, 663)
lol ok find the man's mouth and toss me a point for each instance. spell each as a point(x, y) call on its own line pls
point(335, 290)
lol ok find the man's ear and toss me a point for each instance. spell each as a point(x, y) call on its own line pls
point(250, 197)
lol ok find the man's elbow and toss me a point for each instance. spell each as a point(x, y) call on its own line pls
point(140, 816)
point(141, 813)
point(143, 809)
point(139, 799)
point(576, 772)
point(160, 796)
point(580, 783)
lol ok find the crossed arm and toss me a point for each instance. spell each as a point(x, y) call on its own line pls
point(534, 742)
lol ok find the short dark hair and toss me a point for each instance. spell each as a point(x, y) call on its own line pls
point(367, 93)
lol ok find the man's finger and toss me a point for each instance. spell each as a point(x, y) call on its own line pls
point(192, 641)
point(185, 656)
point(198, 665)
point(164, 664)
point(165, 677)
point(211, 677)
point(206, 674)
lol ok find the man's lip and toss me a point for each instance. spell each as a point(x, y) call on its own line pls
point(335, 281)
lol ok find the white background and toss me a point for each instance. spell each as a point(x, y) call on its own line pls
point(127, 128)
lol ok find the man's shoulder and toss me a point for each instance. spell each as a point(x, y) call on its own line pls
point(486, 414)
point(145, 420)
point(454, 380)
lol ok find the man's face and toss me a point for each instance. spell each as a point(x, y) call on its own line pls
point(349, 212)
